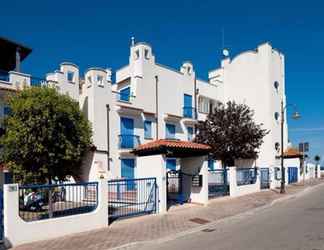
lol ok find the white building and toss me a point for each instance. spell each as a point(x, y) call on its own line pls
point(150, 101)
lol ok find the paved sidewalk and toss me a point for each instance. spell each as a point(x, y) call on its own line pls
point(179, 219)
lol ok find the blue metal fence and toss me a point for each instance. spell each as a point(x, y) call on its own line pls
point(264, 178)
point(246, 176)
point(292, 174)
point(38, 202)
point(124, 201)
point(217, 183)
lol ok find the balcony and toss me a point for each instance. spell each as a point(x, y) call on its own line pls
point(189, 112)
point(128, 141)
point(37, 82)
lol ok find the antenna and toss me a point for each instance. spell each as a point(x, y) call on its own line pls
point(225, 51)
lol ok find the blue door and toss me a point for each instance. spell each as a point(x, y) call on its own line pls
point(128, 172)
point(187, 103)
point(126, 132)
point(265, 178)
point(292, 174)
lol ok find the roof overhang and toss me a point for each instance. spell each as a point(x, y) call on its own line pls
point(172, 148)
point(8, 53)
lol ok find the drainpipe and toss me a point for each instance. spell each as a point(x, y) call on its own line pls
point(157, 106)
point(108, 137)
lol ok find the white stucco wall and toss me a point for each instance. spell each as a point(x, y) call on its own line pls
point(50, 228)
point(236, 190)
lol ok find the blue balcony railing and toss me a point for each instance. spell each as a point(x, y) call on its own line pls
point(128, 141)
point(4, 76)
point(189, 112)
point(37, 82)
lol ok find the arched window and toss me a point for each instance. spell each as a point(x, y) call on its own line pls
point(276, 85)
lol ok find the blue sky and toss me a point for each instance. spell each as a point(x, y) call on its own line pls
point(97, 33)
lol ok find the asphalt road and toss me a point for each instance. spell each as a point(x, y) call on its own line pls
point(296, 223)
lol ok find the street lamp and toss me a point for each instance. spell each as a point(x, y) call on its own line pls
point(295, 116)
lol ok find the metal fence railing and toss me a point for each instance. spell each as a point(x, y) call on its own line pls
point(38, 202)
point(38, 82)
point(130, 197)
point(246, 176)
point(217, 183)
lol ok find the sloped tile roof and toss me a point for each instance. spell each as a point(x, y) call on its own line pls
point(163, 145)
point(292, 153)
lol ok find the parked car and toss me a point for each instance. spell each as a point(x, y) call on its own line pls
point(34, 201)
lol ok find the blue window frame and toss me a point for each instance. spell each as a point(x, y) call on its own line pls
point(147, 129)
point(124, 94)
point(170, 131)
point(190, 133)
point(211, 164)
point(171, 164)
point(6, 110)
point(70, 76)
point(187, 106)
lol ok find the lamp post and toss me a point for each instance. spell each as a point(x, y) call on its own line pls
point(295, 116)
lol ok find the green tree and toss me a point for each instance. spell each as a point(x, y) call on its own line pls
point(231, 132)
point(46, 136)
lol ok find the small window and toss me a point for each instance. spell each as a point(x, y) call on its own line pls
point(277, 146)
point(190, 133)
point(100, 80)
point(137, 54)
point(277, 173)
point(276, 116)
point(204, 105)
point(170, 131)
point(147, 129)
point(276, 85)
point(146, 54)
point(70, 76)
point(171, 164)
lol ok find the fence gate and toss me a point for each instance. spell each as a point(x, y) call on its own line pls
point(292, 174)
point(174, 187)
point(217, 183)
point(131, 197)
point(265, 178)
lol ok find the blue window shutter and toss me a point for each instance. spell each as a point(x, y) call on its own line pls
point(211, 164)
point(187, 106)
point(124, 94)
point(171, 164)
point(147, 129)
point(169, 131)
point(127, 168)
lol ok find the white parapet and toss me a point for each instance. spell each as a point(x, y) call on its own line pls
point(17, 231)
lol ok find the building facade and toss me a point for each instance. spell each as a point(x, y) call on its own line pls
point(150, 101)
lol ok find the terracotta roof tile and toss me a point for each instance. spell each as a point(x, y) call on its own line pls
point(172, 144)
point(292, 152)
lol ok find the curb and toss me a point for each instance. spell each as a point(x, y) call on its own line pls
point(214, 223)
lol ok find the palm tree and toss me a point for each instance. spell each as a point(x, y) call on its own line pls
point(317, 158)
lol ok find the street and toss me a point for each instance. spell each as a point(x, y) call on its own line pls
point(296, 223)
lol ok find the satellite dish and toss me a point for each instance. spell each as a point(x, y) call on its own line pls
point(225, 52)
